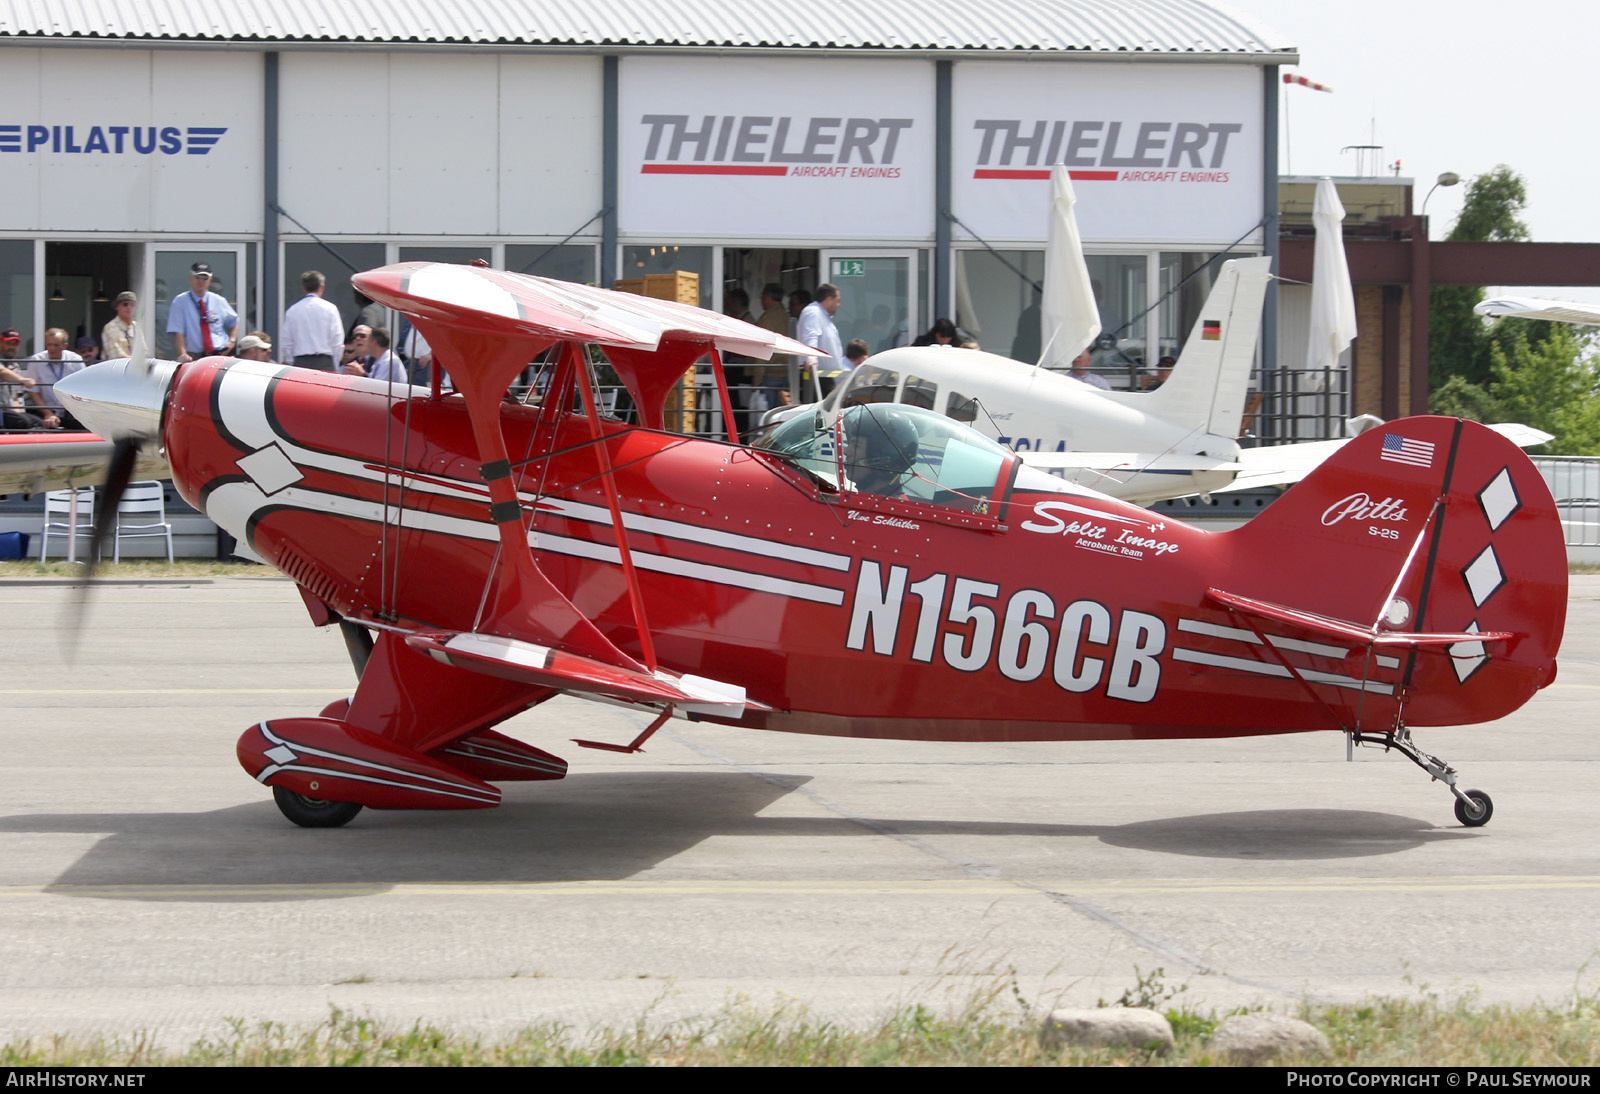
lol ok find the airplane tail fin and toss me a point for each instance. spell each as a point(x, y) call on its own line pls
point(1431, 550)
point(1207, 388)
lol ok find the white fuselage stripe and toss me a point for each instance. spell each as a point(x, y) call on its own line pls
point(1262, 668)
point(1214, 630)
point(232, 504)
point(242, 402)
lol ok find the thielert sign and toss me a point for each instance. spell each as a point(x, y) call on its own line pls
point(817, 150)
point(1158, 153)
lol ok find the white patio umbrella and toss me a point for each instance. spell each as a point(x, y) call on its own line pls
point(1070, 320)
point(1333, 301)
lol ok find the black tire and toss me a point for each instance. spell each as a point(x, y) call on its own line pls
point(313, 812)
point(1479, 813)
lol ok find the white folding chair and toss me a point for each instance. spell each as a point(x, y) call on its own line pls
point(142, 499)
point(58, 518)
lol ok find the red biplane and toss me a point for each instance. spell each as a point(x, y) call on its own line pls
point(880, 572)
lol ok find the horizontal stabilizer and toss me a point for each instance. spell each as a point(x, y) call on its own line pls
point(512, 659)
point(1127, 461)
point(1346, 631)
point(1286, 464)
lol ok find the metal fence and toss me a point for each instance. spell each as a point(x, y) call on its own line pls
point(1574, 482)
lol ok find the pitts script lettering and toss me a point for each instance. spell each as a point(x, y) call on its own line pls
point(763, 139)
point(966, 624)
point(1013, 143)
point(1362, 507)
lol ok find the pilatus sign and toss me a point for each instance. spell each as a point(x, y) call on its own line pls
point(111, 140)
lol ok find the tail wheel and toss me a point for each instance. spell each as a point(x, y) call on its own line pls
point(316, 813)
point(1476, 810)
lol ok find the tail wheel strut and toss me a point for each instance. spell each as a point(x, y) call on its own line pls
point(1473, 807)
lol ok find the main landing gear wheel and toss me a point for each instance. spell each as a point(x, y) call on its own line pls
point(316, 813)
point(1476, 810)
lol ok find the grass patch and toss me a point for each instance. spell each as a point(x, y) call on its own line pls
point(1380, 1033)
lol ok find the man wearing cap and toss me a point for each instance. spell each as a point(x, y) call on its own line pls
point(89, 350)
point(313, 332)
point(254, 347)
point(116, 337)
point(10, 344)
point(11, 419)
point(200, 320)
point(53, 363)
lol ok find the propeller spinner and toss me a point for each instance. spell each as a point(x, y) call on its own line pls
point(122, 401)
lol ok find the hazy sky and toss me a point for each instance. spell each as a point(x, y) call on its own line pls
point(1449, 86)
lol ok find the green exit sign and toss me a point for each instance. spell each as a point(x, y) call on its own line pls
point(849, 267)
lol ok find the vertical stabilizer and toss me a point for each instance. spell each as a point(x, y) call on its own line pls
point(1207, 388)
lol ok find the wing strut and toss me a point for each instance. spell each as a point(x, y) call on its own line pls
point(520, 599)
point(591, 399)
point(722, 390)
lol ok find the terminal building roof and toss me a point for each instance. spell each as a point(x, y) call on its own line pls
point(1109, 29)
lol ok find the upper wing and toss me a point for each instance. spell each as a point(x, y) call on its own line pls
point(498, 301)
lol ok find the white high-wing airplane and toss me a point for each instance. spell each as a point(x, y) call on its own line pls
point(1177, 440)
point(1562, 311)
point(1139, 446)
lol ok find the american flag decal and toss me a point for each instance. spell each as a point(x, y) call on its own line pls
point(1398, 449)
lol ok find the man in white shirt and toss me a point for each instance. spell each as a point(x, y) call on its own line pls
point(816, 329)
point(313, 332)
point(385, 365)
point(45, 368)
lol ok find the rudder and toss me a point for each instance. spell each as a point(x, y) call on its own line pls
point(1425, 526)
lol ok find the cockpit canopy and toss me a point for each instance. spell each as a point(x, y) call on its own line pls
point(892, 450)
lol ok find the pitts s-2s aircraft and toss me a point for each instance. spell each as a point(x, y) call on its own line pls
point(883, 572)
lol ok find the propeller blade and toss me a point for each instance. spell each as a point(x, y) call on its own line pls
point(124, 455)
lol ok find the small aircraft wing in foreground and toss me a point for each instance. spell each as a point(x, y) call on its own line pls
point(31, 463)
point(889, 573)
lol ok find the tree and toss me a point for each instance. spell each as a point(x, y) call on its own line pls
point(1546, 375)
point(1458, 339)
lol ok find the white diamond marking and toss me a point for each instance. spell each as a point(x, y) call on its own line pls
point(1499, 499)
point(270, 469)
point(280, 754)
point(1484, 576)
point(1465, 657)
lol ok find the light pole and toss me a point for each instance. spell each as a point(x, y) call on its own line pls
point(1449, 178)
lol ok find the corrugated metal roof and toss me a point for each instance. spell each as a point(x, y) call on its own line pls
point(1185, 27)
